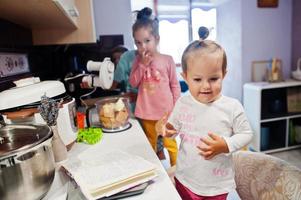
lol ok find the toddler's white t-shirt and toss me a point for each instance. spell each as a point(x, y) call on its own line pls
point(194, 120)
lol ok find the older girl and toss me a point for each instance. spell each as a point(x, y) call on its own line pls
point(155, 76)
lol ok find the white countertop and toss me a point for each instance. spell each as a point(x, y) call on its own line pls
point(132, 141)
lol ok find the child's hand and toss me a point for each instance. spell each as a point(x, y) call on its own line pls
point(146, 58)
point(212, 146)
point(160, 126)
point(163, 128)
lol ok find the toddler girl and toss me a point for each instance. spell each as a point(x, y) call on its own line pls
point(211, 126)
point(155, 76)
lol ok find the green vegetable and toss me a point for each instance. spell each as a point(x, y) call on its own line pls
point(89, 135)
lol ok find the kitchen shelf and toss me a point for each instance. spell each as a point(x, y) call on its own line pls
point(51, 21)
point(34, 14)
point(294, 136)
point(266, 108)
point(272, 135)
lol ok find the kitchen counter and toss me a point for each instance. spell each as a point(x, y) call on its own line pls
point(132, 141)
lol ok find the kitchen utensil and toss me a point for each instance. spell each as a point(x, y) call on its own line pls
point(26, 159)
point(19, 105)
point(49, 111)
point(113, 114)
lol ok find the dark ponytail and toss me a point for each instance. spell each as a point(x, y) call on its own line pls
point(144, 14)
point(146, 19)
point(203, 46)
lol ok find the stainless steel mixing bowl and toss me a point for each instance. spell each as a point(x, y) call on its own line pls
point(27, 166)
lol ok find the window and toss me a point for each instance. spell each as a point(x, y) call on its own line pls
point(174, 37)
point(175, 18)
point(203, 17)
point(174, 23)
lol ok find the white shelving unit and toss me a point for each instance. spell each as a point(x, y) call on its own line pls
point(266, 108)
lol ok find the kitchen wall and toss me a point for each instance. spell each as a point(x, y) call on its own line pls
point(296, 34)
point(229, 35)
point(267, 32)
point(248, 34)
point(114, 17)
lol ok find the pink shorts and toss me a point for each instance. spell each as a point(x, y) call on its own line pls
point(186, 194)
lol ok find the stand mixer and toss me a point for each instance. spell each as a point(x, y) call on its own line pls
point(104, 80)
point(85, 86)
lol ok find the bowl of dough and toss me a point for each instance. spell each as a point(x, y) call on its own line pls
point(113, 113)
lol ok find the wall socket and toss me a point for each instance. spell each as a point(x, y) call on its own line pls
point(13, 64)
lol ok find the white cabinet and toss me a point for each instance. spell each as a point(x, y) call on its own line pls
point(266, 108)
point(52, 21)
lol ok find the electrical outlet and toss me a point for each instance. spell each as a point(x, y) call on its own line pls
point(13, 64)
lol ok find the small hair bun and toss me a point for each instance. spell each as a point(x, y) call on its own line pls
point(203, 33)
point(145, 13)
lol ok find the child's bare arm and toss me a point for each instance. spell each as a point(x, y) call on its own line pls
point(212, 146)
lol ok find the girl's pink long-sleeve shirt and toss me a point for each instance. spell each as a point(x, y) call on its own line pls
point(158, 87)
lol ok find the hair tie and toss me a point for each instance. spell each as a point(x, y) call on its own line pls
point(203, 33)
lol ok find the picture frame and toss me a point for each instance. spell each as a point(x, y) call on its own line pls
point(267, 3)
point(259, 71)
